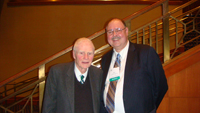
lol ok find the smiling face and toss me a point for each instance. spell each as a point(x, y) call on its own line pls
point(117, 34)
point(83, 54)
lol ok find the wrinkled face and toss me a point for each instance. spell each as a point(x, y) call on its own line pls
point(83, 55)
point(117, 34)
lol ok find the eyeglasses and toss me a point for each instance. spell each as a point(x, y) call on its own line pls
point(117, 30)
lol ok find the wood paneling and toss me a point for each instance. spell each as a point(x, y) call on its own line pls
point(184, 105)
point(186, 83)
point(183, 95)
point(183, 61)
point(164, 106)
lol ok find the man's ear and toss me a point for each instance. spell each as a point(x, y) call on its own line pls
point(74, 54)
point(126, 30)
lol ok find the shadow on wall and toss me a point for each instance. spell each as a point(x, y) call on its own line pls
point(1, 5)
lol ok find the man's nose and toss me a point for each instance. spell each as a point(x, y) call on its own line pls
point(85, 56)
point(114, 33)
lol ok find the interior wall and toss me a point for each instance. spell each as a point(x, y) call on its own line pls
point(1, 5)
point(183, 95)
point(29, 34)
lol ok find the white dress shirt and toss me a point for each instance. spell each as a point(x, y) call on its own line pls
point(119, 103)
point(78, 74)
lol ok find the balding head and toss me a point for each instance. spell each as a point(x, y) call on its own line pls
point(113, 19)
point(81, 41)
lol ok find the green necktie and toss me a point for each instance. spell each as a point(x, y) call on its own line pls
point(82, 81)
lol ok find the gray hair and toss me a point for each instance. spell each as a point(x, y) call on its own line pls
point(80, 40)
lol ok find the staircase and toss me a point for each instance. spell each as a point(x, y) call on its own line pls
point(19, 95)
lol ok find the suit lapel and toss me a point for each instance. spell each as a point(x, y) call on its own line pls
point(93, 87)
point(127, 74)
point(107, 65)
point(130, 59)
point(70, 84)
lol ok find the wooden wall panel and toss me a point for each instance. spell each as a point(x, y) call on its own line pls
point(184, 105)
point(164, 106)
point(185, 83)
point(183, 95)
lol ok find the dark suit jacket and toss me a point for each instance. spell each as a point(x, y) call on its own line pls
point(145, 83)
point(59, 91)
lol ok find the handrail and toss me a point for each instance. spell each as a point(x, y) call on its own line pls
point(182, 6)
point(32, 84)
point(20, 84)
point(35, 66)
point(144, 10)
point(14, 77)
point(168, 66)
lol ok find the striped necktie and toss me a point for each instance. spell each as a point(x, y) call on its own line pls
point(110, 105)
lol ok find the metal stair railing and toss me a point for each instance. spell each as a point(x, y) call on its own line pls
point(27, 99)
point(144, 35)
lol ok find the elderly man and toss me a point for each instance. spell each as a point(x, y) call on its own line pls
point(133, 75)
point(74, 87)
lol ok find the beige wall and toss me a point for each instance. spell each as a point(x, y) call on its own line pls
point(29, 34)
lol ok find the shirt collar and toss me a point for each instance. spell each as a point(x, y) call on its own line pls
point(78, 73)
point(123, 52)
